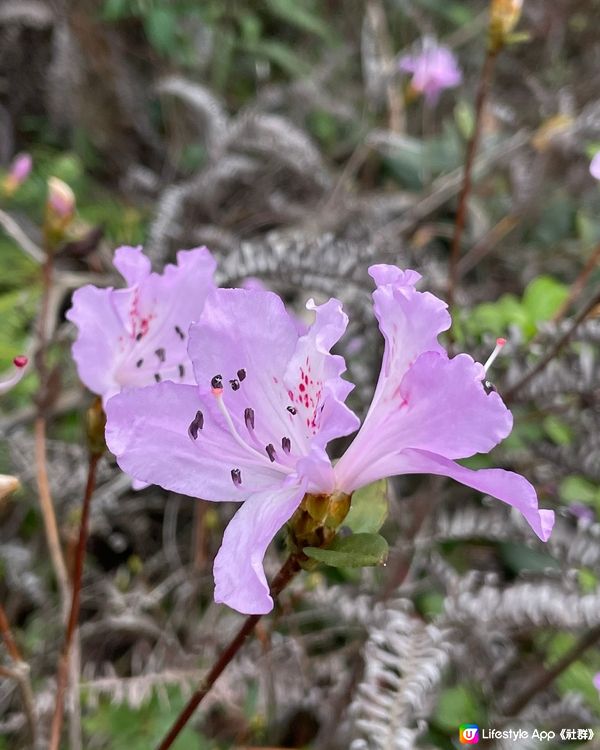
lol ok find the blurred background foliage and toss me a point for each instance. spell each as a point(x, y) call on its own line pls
point(138, 105)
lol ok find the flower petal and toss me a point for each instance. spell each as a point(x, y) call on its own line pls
point(410, 322)
point(283, 392)
point(440, 406)
point(98, 343)
point(132, 264)
point(320, 405)
point(148, 430)
point(137, 336)
point(240, 580)
point(507, 486)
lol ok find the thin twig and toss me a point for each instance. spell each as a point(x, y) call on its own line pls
point(547, 677)
point(579, 284)
point(13, 230)
point(48, 514)
point(290, 568)
point(19, 672)
point(63, 665)
point(562, 341)
point(7, 637)
point(461, 213)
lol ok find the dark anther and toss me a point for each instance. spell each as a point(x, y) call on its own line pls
point(241, 374)
point(181, 371)
point(235, 385)
point(196, 424)
point(236, 476)
point(489, 387)
point(157, 377)
point(139, 363)
point(139, 337)
point(270, 451)
point(286, 444)
point(249, 418)
point(179, 332)
point(217, 381)
point(161, 354)
point(292, 410)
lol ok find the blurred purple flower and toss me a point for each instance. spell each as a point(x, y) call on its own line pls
point(138, 335)
point(434, 68)
point(582, 512)
point(595, 166)
point(20, 365)
point(269, 400)
point(19, 171)
point(596, 681)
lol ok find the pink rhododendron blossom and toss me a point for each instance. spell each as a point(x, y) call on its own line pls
point(268, 400)
point(20, 170)
point(138, 335)
point(20, 365)
point(595, 166)
point(434, 68)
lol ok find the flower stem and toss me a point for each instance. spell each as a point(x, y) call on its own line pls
point(461, 212)
point(290, 568)
point(62, 676)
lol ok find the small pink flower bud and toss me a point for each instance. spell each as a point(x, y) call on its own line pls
point(61, 199)
point(20, 170)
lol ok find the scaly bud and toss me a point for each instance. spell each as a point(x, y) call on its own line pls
point(18, 173)
point(8, 484)
point(504, 16)
point(60, 210)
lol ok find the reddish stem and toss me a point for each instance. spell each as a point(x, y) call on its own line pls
point(62, 676)
point(461, 212)
point(281, 580)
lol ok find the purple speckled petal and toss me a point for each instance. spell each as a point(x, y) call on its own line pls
point(148, 430)
point(290, 385)
point(138, 335)
point(240, 580)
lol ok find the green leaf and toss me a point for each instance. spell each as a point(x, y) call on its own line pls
point(356, 551)
point(458, 705)
point(464, 117)
point(518, 557)
point(558, 430)
point(161, 28)
point(576, 489)
point(543, 297)
point(369, 508)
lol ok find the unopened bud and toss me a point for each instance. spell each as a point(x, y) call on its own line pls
point(504, 16)
point(60, 210)
point(20, 170)
point(8, 485)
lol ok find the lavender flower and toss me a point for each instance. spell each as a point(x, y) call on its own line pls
point(19, 171)
point(268, 400)
point(434, 68)
point(596, 681)
point(20, 365)
point(595, 166)
point(138, 335)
